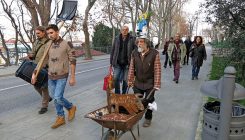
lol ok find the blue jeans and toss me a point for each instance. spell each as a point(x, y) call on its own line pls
point(56, 89)
point(195, 71)
point(120, 74)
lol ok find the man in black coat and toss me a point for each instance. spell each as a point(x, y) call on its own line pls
point(188, 44)
point(120, 57)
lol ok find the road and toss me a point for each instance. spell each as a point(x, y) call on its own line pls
point(16, 93)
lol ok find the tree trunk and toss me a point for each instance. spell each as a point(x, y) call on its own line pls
point(6, 59)
point(85, 30)
point(16, 47)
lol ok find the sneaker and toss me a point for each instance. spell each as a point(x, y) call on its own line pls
point(43, 110)
point(147, 123)
point(71, 113)
point(60, 120)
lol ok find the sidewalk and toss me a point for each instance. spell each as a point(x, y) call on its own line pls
point(177, 116)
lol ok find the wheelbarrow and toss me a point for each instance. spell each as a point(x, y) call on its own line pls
point(119, 122)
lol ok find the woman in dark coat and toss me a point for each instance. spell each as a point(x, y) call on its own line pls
point(197, 54)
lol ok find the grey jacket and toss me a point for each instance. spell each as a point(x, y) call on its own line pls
point(115, 49)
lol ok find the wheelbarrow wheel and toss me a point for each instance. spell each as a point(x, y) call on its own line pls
point(109, 135)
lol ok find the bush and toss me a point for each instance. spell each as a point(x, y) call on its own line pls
point(217, 71)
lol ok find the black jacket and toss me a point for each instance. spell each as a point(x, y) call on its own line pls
point(115, 49)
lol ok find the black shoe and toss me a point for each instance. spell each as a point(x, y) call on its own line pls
point(177, 81)
point(165, 67)
point(43, 110)
point(192, 78)
point(196, 78)
point(50, 99)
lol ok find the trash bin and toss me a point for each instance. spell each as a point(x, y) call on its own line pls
point(211, 118)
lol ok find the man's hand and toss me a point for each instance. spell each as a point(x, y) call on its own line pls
point(72, 81)
point(156, 89)
point(33, 79)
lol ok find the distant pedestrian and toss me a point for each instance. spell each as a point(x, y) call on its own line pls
point(35, 55)
point(188, 44)
point(165, 52)
point(197, 54)
point(145, 72)
point(122, 48)
point(177, 52)
point(61, 57)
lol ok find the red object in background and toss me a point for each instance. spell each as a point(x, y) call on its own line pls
point(108, 80)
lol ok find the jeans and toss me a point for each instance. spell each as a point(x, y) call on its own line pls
point(176, 65)
point(195, 71)
point(56, 89)
point(166, 61)
point(120, 75)
point(148, 114)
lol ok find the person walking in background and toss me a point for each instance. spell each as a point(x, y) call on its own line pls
point(35, 55)
point(165, 51)
point(61, 57)
point(145, 72)
point(188, 44)
point(176, 52)
point(197, 54)
point(120, 56)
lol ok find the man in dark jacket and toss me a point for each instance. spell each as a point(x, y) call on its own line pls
point(122, 48)
point(165, 51)
point(36, 55)
point(188, 44)
point(145, 73)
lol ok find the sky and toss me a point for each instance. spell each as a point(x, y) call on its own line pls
point(191, 7)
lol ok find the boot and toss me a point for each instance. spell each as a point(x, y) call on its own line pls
point(59, 121)
point(147, 123)
point(71, 113)
point(43, 110)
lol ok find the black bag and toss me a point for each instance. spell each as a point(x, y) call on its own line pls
point(25, 72)
point(163, 52)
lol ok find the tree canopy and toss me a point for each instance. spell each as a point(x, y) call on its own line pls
point(102, 38)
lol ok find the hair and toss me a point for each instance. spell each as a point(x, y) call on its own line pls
point(147, 41)
point(53, 26)
point(125, 26)
point(177, 34)
point(40, 28)
point(195, 40)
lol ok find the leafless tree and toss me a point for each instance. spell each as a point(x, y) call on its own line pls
point(85, 29)
point(40, 9)
point(8, 10)
point(7, 58)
